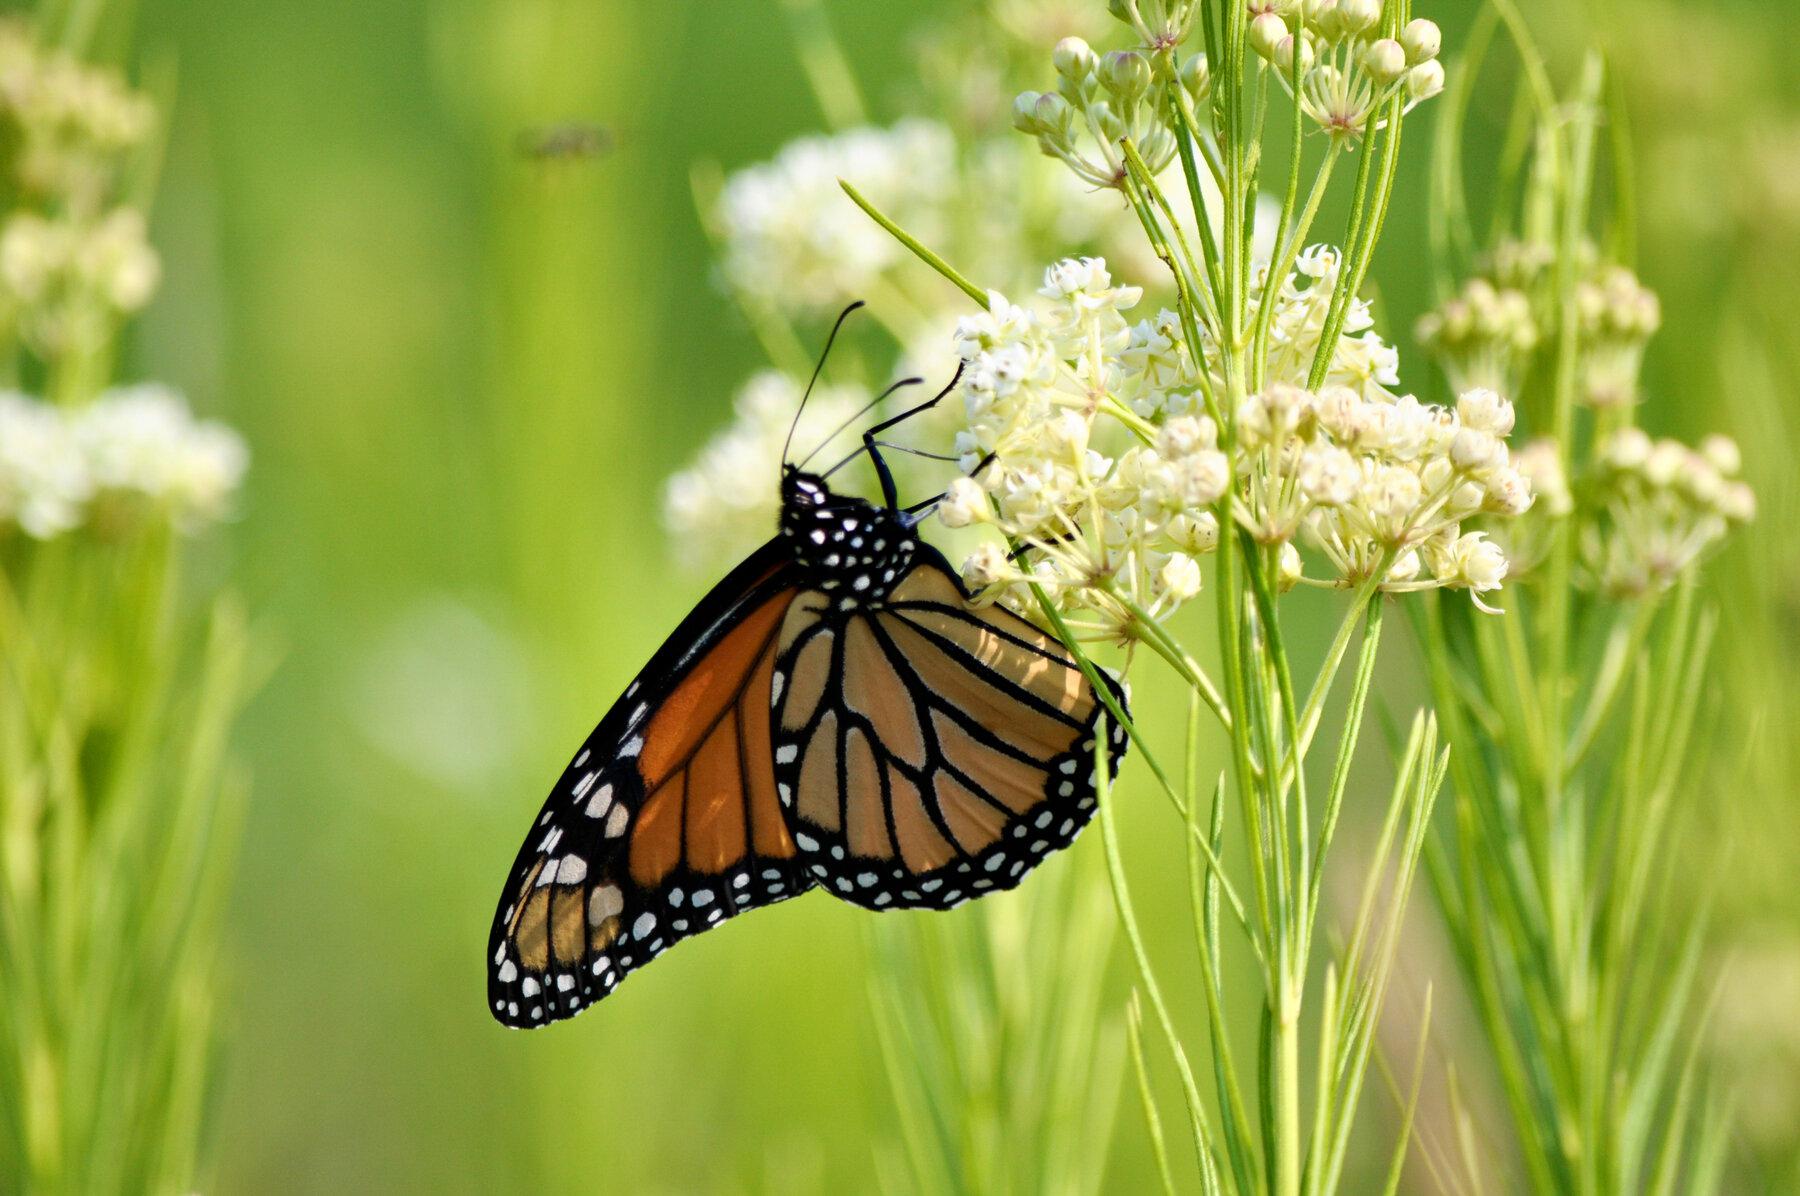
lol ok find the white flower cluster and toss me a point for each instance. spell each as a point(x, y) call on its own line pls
point(1380, 488)
point(1483, 336)
point(74, 122)
point(1111, 528)
point(1617, 316)
point(1100, 101)
point(67, 279)
point(1663, 505)
point(1486, 333)
point(1348, 72)
point(1361, 360)
point(726, 503)
point(795, 242)
point(133, 446)
point(43, 479)
point(1111, 495)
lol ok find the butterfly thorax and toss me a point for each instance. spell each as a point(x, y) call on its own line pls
point(843, 544)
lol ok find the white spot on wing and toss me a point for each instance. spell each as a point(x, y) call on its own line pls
point(603, 903)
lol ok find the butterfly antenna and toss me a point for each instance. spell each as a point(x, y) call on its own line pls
point(817, 370)
point(873, 403)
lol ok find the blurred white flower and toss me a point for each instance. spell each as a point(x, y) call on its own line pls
point(76, 123)
point(795, 241)
point(1661, 507)
point(143, 440)
point(138, 443)
point(44, 482)
point(68, 280)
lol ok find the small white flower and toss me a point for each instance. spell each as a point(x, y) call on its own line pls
point(986, 567)
point(964, 503)
point(1485, 411)
point(1328, 475)
point(1180, 576)
point(1183, 435)
point(1477, 452)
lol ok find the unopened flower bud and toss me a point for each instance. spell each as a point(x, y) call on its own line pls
point(1024, 113)
point(1628, 449)
point(1422, 40)
point(1385, 60)
point(1356, 17)
point(1738, 502)
point(1196, 76)
point(1425, 80)
point(1267, 32)
point(1284, 55)
point(1666, 463)
point(1053, 114)
point(1722, 452)
point(1126, 74)
point(1074, 59)
point(1288, 568)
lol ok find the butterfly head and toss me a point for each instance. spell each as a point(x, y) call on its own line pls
point(844, 544)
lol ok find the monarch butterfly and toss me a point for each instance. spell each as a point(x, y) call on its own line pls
point(837, 714)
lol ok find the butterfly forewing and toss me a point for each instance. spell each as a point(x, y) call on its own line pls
point(926, 750)
point(665, 823)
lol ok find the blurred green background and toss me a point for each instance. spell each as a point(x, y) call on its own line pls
point(464, 376)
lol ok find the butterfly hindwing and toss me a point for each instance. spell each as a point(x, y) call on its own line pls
point(927, 750)
point(666, 821)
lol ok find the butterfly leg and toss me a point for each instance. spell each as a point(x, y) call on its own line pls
point(873, 447)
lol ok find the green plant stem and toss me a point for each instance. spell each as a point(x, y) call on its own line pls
point(915, 245)
point(1115, 871)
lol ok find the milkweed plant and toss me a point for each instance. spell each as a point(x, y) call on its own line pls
point(118, 801)
point(1564, 872)
point(1178, 418)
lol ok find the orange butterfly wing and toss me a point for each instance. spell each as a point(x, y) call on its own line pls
point(665, 823)
point(927, 750)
